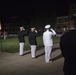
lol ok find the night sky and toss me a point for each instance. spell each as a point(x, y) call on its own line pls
point(11, 7)
point(33, 8)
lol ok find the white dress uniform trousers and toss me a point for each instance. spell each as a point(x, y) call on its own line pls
point(33, 51)
point(21, 48)
point(48, 50)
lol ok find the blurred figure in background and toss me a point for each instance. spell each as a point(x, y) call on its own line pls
point(21, 39)
point(4, 35)
point(68, 48)
point(0, 34)
point(32, 41)
point(48, 42)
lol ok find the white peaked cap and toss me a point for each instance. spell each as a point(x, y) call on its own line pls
point(47, 26)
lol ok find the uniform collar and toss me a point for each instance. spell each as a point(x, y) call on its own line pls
point(47, 30)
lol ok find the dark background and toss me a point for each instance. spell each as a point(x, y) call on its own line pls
point(30, 10)
point(30, 7)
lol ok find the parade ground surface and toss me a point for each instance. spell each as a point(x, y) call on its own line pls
point(13, 64)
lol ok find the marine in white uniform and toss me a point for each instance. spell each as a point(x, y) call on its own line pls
point(48, 42)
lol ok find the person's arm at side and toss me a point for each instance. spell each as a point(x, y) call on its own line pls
point(61, 46)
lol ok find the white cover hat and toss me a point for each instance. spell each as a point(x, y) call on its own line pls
point(47, 26)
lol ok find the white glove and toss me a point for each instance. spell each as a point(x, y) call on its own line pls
point(36, 31)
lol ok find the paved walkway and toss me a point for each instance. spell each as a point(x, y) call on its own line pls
point(13, 64)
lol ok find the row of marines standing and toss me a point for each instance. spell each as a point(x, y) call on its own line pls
point(67, 45)
point(47, 41)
